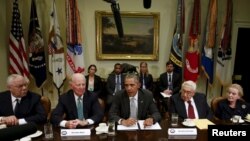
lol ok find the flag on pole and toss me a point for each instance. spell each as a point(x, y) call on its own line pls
point(224, 58)
point(75, 58)
point(56, 50)
point(207, 58)
point(17, 52)
point(177, 43)
point(37, 63)
point(191, 69)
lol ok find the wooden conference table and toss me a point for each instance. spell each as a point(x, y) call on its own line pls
point(139, 135)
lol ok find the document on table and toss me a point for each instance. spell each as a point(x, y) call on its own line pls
point(203, 123)
point(122, 127)
point(165, 95)
point(155, 126)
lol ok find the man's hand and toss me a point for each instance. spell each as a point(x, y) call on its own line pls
point(71, 124)
point(129, 122)
point(10, 120)
point(82, 122)
point(148, 122)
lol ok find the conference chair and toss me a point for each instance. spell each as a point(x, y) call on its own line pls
point(47, 105)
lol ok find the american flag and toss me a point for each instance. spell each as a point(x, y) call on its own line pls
point(56, 50)
point(17, 55)
point(75, 50)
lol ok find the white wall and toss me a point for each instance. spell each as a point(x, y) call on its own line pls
point(167, 9)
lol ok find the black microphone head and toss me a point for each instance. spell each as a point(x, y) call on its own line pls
point(17, 132)
point(147, 4)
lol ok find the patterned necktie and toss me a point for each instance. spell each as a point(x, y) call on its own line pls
point(133, 109)
point(190, 111)
point(80, 108)
point(170, 85)
point(117, 86)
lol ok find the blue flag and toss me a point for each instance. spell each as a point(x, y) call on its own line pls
point(37, 64)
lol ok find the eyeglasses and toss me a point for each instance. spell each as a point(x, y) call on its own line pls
point(20, 85)
point(187, 92)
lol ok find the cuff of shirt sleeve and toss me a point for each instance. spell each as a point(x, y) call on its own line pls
point(63, 123)
point(120, 121)
point(22, 121)
point(90, 121)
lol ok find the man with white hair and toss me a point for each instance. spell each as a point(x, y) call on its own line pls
point(189, 103)
point(77, 107)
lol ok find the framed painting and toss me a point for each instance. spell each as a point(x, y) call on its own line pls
point(140, 40)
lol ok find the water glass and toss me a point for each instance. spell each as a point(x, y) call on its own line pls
point(48, 131)
point(174, 119)
point(111, 129)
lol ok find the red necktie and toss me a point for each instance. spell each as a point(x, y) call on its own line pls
point(190, 110)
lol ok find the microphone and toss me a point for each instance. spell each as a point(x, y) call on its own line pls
point(147, 4)
point(17, 132)
point(116, 12)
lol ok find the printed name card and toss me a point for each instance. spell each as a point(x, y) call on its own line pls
point(75, 132)
point(182, 131)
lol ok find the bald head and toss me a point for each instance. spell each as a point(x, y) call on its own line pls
point(78, 83)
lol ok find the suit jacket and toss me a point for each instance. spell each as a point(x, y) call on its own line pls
point(146, 107)
point(111, 83)
point(223, 110)
point(31, 108)
point(67, 105)
point(97, 84)
point(148, 80)
point(176, 80)
point(177, 105)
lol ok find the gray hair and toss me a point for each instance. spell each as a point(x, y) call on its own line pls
point(12, 77)
point(189, 84)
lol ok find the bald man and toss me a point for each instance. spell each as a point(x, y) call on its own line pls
point(66, 113)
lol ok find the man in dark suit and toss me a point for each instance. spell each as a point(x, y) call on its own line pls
point(115, 82)
point(189, 103)
point(133, 103)
point(77, 107)
point(18, 105)
point(169, 83)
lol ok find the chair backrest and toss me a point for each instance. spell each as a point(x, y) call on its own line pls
point(47, 105)
point(215, 101)
point(103, 105)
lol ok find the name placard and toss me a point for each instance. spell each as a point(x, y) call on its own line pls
point(75, 132)
point(182, 131)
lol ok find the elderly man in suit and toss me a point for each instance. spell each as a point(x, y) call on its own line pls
point(189, 103)
point(132, 104)
point(77, 107)
point(18, 105)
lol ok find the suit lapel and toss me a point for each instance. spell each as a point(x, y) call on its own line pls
point(140, 104)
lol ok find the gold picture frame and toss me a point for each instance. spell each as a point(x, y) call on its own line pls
point(140, 41)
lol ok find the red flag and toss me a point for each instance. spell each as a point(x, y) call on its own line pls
point(17, 56)
point(191, 69)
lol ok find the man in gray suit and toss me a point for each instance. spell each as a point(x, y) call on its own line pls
point(189, 103)
point(132, 104)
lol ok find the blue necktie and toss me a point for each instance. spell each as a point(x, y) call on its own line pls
point(80, 108)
